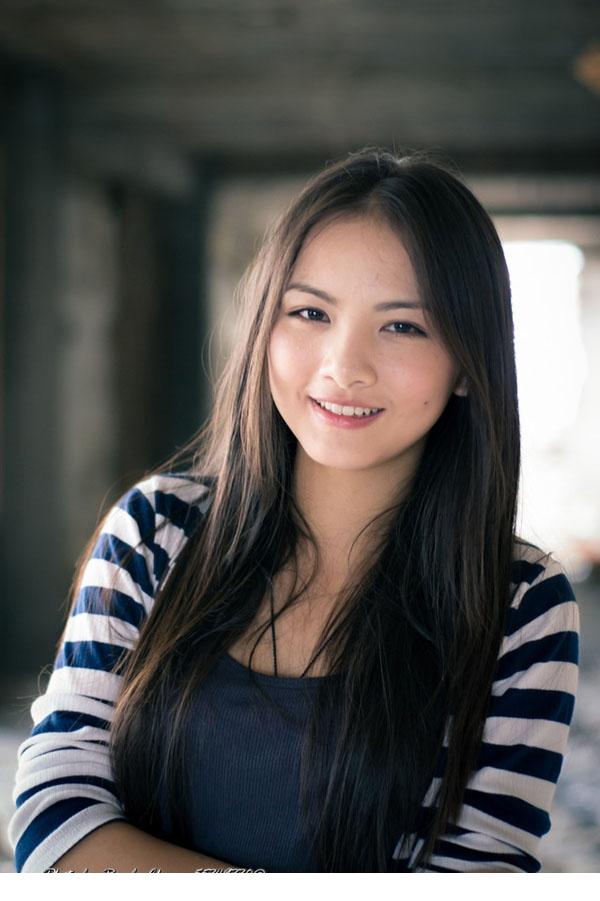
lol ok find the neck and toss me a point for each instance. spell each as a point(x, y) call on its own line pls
point(339, 504)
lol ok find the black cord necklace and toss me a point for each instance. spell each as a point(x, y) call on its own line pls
point(273, 640)
point(273, 629)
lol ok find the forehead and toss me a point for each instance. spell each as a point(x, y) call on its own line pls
point(356, 247)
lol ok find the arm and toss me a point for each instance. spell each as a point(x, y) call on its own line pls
point(122, 847)
point(64, 789)
point(508, 799)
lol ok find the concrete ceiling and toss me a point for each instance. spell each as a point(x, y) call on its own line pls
point(262, 83)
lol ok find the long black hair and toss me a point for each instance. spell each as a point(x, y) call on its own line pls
point(415, 642)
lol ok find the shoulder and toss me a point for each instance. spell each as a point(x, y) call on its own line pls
point(543, 598)
point(167, 495)
point(537, 670)
point(145, 529)
point(172, 500)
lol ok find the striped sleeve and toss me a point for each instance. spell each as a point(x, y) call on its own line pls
point(508, 799)
point(64, 785)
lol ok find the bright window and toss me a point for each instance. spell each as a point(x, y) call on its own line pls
point(551, 373)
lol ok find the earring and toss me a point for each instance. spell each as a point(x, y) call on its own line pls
point(461, 390)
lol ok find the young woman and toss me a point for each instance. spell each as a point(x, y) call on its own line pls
point(313, 640)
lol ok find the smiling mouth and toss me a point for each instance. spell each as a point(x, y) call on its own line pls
point(354, 419)
point(334, 403)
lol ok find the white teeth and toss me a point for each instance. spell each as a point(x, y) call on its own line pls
point(347, 411)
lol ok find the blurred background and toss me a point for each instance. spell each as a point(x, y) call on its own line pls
point(144, 148)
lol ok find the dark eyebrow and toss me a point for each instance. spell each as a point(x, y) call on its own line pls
point(386, 305)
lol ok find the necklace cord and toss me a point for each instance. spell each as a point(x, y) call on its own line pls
point(273, 639)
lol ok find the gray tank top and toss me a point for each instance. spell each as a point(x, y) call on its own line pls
point(244, 768)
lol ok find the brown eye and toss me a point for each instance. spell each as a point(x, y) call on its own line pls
point(414, 331)
point(307, 310)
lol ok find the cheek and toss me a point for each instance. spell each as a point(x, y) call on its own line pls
point(289, 356)
point(284, 360)
point(422, 382)
point(413, 371)
point(436, 393)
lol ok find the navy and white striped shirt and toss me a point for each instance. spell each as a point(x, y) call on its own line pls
point(64, 785)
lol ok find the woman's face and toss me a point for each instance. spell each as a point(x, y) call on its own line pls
point(348, 350)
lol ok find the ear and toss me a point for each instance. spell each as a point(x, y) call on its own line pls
point(461, 387)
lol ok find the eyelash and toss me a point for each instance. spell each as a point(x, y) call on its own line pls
point(417, 332)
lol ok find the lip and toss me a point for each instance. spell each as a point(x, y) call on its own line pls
point(343, 422)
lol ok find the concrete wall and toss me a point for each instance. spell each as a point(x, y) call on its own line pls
point(104, 319)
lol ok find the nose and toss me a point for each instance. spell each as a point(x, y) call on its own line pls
point(347, 359)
